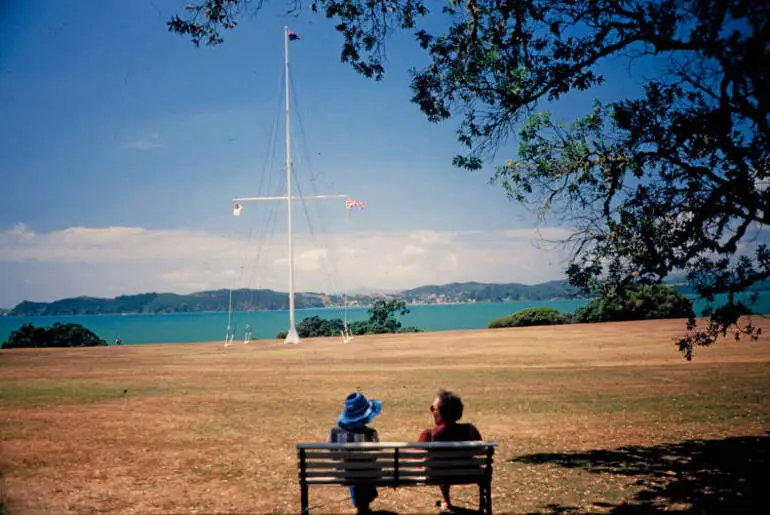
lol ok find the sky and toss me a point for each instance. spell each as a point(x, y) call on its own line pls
point(122, 146)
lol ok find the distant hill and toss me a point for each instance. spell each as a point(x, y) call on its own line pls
point(485, 292)
point(264, 300)
point(261, 300)
point(684, 287)
point(216, 300)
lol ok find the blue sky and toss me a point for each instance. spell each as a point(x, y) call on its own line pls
point(121, 146)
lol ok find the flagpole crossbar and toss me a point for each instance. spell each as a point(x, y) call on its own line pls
point(292, 337)
point(249, 199)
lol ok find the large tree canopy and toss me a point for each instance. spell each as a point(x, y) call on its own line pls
point(675, 178)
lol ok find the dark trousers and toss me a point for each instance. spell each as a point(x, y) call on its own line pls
point(362, 496)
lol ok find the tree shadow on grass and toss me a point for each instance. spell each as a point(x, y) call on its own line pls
point(3, 494)
point(694, 476)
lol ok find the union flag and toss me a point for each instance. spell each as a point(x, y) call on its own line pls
point(350, 203)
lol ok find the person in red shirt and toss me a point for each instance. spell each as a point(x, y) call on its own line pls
point(447, 409)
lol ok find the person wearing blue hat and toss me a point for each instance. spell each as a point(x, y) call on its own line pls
point(351, 428)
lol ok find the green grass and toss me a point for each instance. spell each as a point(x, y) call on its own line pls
point(209, 429)
point(43, 392)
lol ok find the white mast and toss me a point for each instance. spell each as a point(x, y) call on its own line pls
point(291, 336)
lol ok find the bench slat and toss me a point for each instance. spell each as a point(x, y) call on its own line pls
point(460, 453)
point(357, 474)
point(389, 464)
point(406, 456)
point(397, 445)
point(335, 481)
point(445, 463)
point(352, 465)
point(375, 473)
point(441, 472)
point(335, 454)
point(441, 454)
point(407, 481)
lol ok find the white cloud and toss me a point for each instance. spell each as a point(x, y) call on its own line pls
point(412, 250)
point(20, 232)
point(139, 259)
point(110, 244)
point(545, 233)
point(148, 142)
point(311, 260)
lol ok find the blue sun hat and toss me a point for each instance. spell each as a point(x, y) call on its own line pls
point(359, 410)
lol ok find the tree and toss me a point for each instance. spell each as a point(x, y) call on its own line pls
point(59, 335)
point(674, 179)
point(316, 326)
point(382, 315)
point(382, 319)
point(637, 302)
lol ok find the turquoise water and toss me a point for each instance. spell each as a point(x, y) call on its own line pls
point(201, 327)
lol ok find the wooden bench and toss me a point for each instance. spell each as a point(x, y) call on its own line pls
point(397, 464)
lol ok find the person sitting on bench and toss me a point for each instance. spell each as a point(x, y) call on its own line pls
point(447, 409)
point(352, 427)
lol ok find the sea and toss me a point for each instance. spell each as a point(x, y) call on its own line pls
point(133, 329)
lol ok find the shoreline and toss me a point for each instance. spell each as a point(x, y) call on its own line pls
point(676, 325)
point(187, 327)
point(286, 310)
point(535, 302)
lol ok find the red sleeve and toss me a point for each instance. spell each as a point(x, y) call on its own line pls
point(425, 436)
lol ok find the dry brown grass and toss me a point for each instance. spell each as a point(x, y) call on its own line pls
point(205, 429)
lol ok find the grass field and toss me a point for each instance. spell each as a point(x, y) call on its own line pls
point(602, 418)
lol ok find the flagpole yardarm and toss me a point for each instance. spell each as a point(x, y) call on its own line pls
point(292, 336)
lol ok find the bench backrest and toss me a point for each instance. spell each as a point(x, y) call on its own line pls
point(395, 463)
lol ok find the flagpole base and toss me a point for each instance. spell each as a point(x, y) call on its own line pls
point(292, 337)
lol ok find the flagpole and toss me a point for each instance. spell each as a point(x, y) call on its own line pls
point(291, 336)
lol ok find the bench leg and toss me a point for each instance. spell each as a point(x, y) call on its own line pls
point(485, 499)
point(303, 499)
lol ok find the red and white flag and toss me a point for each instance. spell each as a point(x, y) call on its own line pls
point(237, 208)
point(350, 203)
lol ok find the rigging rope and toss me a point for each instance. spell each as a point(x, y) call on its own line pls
point(330, 257)
point(245, 299)
point(266, 229)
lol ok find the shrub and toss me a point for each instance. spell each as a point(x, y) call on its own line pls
point(382, 319)
point(638, 303)
point(504, 321)
point(59, 335)
point(530, 317)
